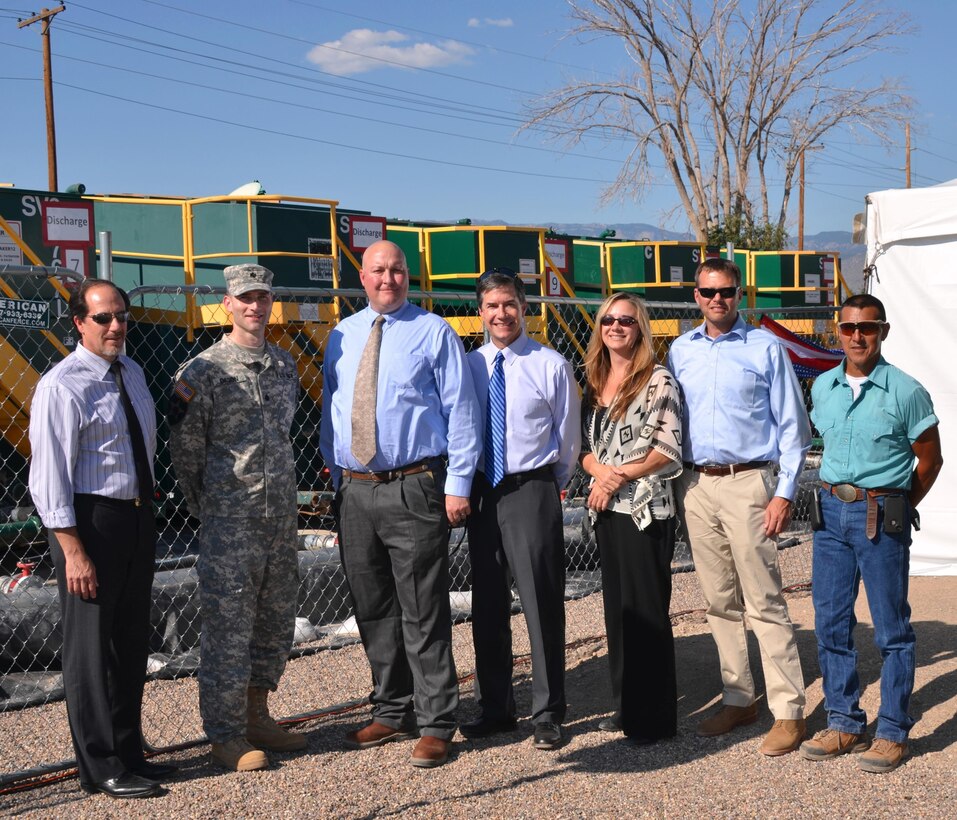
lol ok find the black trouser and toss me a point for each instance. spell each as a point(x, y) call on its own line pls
point(106, 638)
point(394, 539)
point(636, 588)
point(515, 531)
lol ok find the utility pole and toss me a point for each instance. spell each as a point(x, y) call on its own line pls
point(907, 155)
point(801, 205)
point(44, 18)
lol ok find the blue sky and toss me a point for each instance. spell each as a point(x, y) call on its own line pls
point(185, 98)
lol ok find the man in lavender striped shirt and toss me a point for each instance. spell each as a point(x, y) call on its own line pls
point(92, 452)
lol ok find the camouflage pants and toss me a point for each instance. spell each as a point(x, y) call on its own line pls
point(248, 581)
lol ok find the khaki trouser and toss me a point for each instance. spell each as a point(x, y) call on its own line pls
point(737, 566)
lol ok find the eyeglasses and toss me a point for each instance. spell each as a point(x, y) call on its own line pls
point(121, 316)
point(725, 293)
point(871, 328)
point(624, 321)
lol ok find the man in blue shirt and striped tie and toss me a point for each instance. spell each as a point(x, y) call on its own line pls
point(532, 438)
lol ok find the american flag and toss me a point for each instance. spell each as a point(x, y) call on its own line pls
point(809, 360)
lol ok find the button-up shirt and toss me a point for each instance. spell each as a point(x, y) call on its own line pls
point(742, 401)
point(542, 406)
point(79, 437)
point(868, 441)
point(425, 404)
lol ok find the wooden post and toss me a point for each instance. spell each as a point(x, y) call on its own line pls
point(44, 18)
point(801, 206)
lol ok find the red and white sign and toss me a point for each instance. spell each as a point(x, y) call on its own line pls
point(365, 231)
point(557, 250)
point(67, 224)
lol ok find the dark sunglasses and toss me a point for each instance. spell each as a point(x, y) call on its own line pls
point(871, 328)
point(503, 271)
point(121, 316)
point(725, 293)
point(624, 321)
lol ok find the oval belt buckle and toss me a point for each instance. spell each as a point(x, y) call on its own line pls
point(846, 492)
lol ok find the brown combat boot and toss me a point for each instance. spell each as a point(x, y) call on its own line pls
point(263, 731)
point(236, 754)
point(831, 743)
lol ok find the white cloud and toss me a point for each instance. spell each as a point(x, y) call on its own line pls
point(363, 50)
point(500, 22)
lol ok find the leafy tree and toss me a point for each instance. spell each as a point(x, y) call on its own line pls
point(729, 93)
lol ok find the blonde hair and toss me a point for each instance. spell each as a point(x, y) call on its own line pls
point(598, 360)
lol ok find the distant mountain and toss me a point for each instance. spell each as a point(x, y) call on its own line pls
point(852, 256)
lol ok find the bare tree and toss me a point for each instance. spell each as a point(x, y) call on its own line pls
point(726, 91)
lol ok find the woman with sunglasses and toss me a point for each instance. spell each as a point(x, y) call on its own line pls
point(631, 449)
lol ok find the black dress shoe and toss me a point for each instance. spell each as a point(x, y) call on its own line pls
point(126, 785)
point(154, 771)
point(610, 724)
point(548, 735)
point(485, 727)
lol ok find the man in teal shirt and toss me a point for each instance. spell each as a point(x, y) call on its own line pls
point(875, 421)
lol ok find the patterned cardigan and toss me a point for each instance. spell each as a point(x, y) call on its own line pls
point(652, 421)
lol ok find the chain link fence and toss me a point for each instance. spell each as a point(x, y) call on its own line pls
point(327, 667)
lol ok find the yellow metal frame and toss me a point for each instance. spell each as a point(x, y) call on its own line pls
point(189, 258)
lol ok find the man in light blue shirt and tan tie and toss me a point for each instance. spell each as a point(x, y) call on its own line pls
point(400, 434)
point(532, 440)
point(746, 434)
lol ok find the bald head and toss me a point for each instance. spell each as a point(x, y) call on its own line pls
point(385, 276)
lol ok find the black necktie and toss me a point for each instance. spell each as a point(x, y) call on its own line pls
point(144, 477)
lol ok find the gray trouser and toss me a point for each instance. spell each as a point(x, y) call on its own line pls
point(394, 542)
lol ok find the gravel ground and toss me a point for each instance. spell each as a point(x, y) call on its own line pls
point(593, 775)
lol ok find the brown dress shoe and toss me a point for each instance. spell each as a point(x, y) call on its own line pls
point(785, 736)
point(726, 719)
point(374, 734)
point(430, 752)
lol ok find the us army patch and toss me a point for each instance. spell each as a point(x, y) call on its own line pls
point(184, 391)
point(183, 394)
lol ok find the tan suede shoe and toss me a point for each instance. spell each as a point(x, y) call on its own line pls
point(726, 719)
point(785, 736)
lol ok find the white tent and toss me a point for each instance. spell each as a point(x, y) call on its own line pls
point(912, 244)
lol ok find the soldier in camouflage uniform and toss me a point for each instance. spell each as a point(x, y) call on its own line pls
point(230, 417)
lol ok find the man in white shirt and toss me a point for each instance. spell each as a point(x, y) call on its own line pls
point(530, 404)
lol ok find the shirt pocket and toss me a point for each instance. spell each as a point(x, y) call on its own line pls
point(742, 391)
point(412, 377)
point(880, 438)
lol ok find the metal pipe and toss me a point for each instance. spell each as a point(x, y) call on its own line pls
point(106, 255)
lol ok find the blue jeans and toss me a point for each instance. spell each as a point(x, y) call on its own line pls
point(843, 557)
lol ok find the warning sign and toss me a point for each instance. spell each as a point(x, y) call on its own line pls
point(10, 253)
point(68, 224)
point(24, 313)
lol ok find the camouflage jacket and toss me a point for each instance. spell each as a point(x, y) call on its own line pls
point(230, 417)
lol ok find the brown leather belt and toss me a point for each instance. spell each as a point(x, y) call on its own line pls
point(848, 493)
point(726, 469)
point(398, 472)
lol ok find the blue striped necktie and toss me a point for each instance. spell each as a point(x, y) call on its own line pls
point(495, 423)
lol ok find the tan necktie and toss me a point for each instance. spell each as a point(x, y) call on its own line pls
point(364, 397)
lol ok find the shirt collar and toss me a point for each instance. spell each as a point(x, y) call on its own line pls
point(394, 316)
point(878, 376)
point(515, 349)
point(97, 364)
point(739, 328)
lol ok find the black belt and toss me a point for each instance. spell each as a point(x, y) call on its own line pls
point(120, 502)
point(512, 481)
point(385, 476)
point(727, 469)
point(848, 493)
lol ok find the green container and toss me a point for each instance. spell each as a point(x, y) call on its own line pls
point(457, 253)
point(675, 263)
point(586, 273)
point(777, 270)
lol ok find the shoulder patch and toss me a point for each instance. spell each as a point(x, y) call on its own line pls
point(183, 389)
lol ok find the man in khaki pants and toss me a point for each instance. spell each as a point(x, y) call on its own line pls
point(746, 434)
